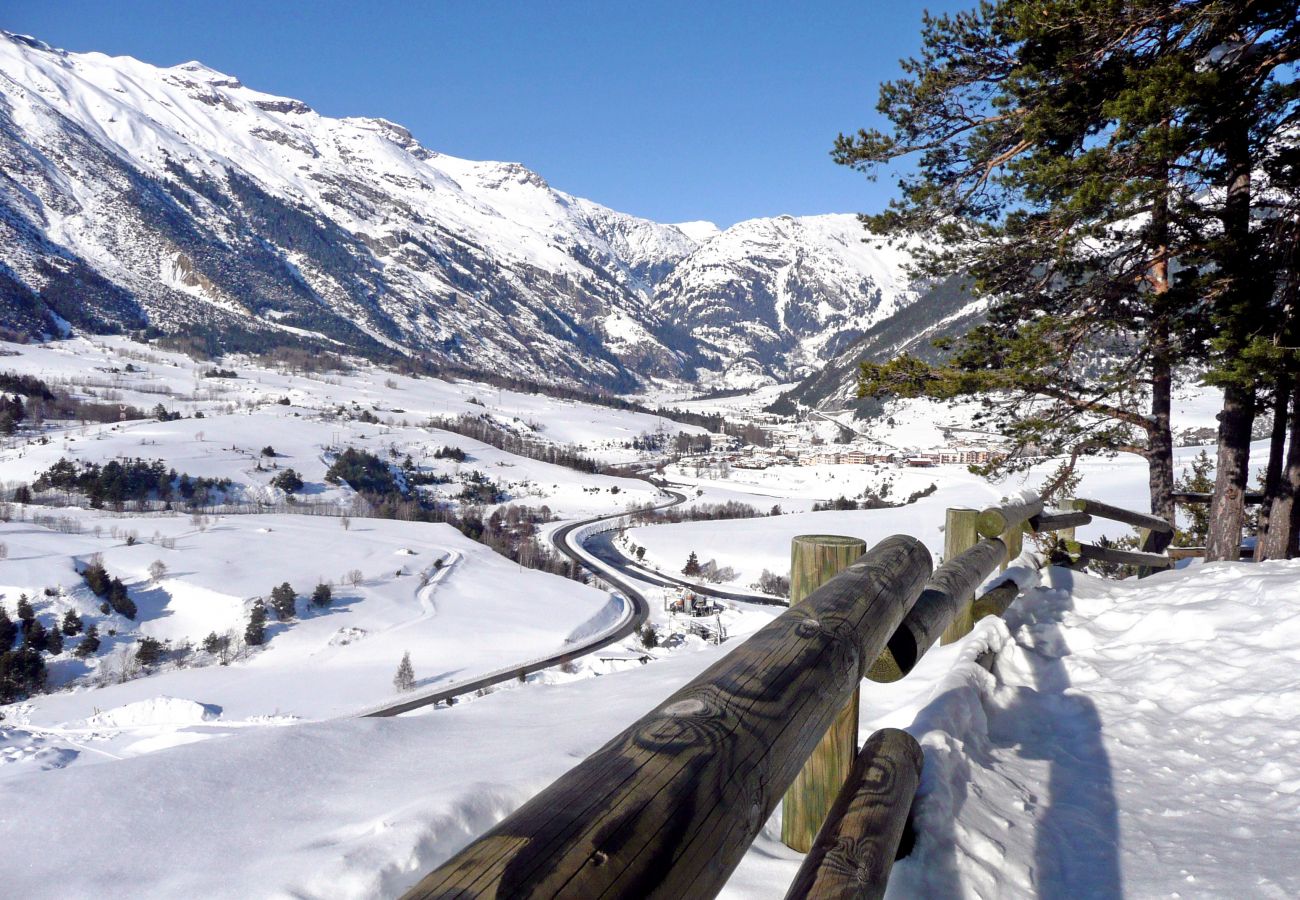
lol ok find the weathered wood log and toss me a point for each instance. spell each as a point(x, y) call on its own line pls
point(855, 850)
point(959, 535)
point(1058, 521)
point(1092, 552)
point(996, 520)
point(814, 560)
point(995, 600)
point(944, 595)
point(1127, 516)
point(668, 807)
point(1177, 553)
point(1252, 497)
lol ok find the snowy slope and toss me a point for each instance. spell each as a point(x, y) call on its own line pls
point(182, 200)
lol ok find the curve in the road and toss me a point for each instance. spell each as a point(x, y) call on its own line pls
point(559, 538)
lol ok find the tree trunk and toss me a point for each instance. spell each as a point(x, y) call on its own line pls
point(1284, 518)
point(1227, 508)
point(1160, 439)
point(1233, 315)
point(1276, 451)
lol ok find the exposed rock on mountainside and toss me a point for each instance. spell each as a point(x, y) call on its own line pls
point(180, 201)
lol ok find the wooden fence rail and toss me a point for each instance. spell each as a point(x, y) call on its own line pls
point(668, 807)
point(855, 849)
point(940, 602)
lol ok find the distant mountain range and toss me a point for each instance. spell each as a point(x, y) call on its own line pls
point(178, 201)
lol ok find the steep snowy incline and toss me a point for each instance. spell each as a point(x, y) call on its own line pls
point(181, 200)
point(774, 297)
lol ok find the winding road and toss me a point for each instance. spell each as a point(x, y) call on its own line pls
point(615, 574)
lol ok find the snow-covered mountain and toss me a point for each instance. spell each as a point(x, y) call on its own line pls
point(180, 201)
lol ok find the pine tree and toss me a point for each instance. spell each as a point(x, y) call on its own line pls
point(8, 631)
point(149, 651)
point(692, 566)
point(1198, 480)
point(255, 632)
point(54, 641)
point(322, 595)
point(120, 600)
point(25, 611)
point(89, 644)
point(72, 623)
point(283, 601)
point(34, 635)
point(404, 680)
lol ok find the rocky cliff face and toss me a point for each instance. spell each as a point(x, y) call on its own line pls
point(182, 201)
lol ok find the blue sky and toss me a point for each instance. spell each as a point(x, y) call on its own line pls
point(674, 111)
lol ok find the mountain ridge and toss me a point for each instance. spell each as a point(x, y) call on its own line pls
point(181, 201)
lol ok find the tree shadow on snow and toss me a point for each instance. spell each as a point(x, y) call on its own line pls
point(1077, 839)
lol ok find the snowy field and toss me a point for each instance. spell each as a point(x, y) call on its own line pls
point(1132, 738)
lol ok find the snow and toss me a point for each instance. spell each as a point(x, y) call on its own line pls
point(1131, 738)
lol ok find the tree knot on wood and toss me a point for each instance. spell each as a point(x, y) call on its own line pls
point(691, 706)
point(808, 628)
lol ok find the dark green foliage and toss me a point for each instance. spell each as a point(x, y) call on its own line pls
point(268, 450)
point(160, 413)
point(452, 453)
point(89, 644)
point(8, 631)
point(72, 623)
point(213, 642)
point(1199, 479)
point(25, 611)
point(22, 494)
point(649, 637)
point(34, 635)
point(364, 472)
point(22, 673)
point(119, 481)
point(692, 566)
point(96, 579)
point(120, 600)
point(283, 601)
point(54, 641)
point(149, 652)
point(220, 373)
point(255, 631)
point(322, 595)
point(288, 481)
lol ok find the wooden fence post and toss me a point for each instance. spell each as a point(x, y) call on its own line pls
point(814, 560)
point(959, 535)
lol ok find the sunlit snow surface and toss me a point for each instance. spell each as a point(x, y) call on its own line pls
point(1132, 739)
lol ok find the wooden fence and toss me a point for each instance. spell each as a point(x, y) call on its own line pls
point(669, 806)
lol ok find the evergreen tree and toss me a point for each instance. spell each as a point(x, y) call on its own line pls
point(1065, 149)
point(25, 612)
point(255, 631)
point(322, 595)
point(22, 672)
point(72, 623)
point(89, 644)
point(1199, 480)
point(692, 566)
point(8, 631)
point(120, 600)
point(283, 600)
point(34, 635)
point(288, 481)
point(212, 643)
point(54, 641)
point(404, 680)
point(149, 651)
